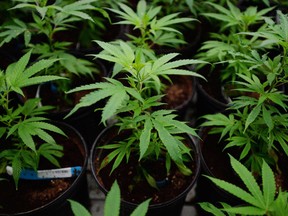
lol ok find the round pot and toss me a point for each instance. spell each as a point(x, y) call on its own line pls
point(215, 162)
point(49, 197)
point(171, 206)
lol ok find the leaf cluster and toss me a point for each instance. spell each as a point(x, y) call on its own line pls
point(233, 38)
point(256, 122)
point(22, 125)
point(258, 201)
point(152, 30)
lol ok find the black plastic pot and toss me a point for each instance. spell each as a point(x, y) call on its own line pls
point(171, 207)
point(215, 162)
point(77, 191)
point(211, 97)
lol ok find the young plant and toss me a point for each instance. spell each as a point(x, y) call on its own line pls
point(152, 30)
point(265, 201)
point(22, 125)
point(227, 41)
point(112, 205)
point(155, 134)
point(256, 122)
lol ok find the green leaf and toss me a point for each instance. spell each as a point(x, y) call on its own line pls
point(141, 209)
point(250, 183)
point(151, 181)
point(129, 53)
point(268, 118)
point(2, 131)
point(269, 185)
point(12, 75)
point(252, 116)
point(113, 104)
point(24, 132)
point(42, 11)
point(16, 167)
point(145, 137)
point(37, 67)
point(51, 152)
point(78, 209)
point(208, 207)
point(112, 202)
point(169, 142)
point(246, 210)
point(9, 32)
point(234, 190)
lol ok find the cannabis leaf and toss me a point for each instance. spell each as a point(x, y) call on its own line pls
point(152, 30)
point(232, 15)
point(112, 203)
point(18, 75)
point(78, 209)
point(259, 202)
point(13, 30)
point(118, 96)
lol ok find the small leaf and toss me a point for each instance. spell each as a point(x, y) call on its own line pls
point(252, 116)
point(17, 167)
point(145, 137)
point(268, 119)
point(169, 142)
point(114, 103)
point(24, 133)
point(78, 209)
point(141, 209)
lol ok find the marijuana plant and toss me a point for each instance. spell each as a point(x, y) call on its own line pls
point(274, 33)
point(22, 126)
point(229, 39)
point(154, 133)
point(152, 30)
point(256, 122)
point(267, 201)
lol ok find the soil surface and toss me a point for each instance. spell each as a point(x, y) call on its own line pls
point(134, 188)
point(179, 92)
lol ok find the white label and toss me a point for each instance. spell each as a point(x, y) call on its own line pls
point(55, 173)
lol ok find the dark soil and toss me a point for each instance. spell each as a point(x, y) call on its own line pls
point(33, 194)
point(179, 92)
point(134, 188)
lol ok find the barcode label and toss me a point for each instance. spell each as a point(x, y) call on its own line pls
point(56, 173)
